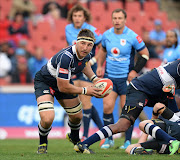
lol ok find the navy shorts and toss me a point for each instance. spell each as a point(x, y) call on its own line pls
point(42, 88)
point(135, 101)
point(81, 76)
point(119, 85)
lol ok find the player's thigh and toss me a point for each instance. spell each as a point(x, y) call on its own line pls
point(73, 108)
point(109, 102)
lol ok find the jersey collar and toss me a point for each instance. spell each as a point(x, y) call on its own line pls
point(74, 52)
point(124, 31)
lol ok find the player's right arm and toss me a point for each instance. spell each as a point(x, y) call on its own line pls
point(63, 78)
point(66, 87)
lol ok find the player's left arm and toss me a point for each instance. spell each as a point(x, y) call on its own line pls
point(139, 45)
point(90, 74)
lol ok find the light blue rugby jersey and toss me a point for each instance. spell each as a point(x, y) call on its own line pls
point(71, 34)
point(171, 54)
point(120, 51)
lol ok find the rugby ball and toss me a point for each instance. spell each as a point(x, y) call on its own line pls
point(106, 85)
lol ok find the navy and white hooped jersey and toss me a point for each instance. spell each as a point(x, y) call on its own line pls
point(152, 82)
point(72, 33)
point(120, 51)
point(63, 65)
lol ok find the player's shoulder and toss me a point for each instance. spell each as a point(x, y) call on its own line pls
point(67, 52)
point(109, 32)
point(130, 32)
point(69, 26)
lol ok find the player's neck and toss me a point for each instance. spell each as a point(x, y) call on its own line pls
point(119, 30)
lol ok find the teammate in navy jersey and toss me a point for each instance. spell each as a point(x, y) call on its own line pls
point(164, 127)
point(79, 18)
point(54, 79)
point(119, 45)
point(146, 90)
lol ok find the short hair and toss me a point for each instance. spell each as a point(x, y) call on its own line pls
point(120, 10)
point(86, 33)
point(77, 8)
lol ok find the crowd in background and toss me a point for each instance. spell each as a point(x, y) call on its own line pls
point(18, 65)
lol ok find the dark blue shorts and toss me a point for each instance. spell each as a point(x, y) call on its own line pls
point(119, 85)
point(42, 88)
point(81, 76)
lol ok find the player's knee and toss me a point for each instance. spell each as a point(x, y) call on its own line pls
point(108, 108)
point(75, 111)
point(47, 121)
point(143, 123)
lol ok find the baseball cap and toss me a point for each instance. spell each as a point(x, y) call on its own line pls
point(157, 22)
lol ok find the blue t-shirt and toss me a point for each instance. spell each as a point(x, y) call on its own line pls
point(158, 36)
point(72, 32)
point(171, 54)
point(120, 51)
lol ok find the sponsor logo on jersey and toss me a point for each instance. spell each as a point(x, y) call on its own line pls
point(73, 42)
point(79, 63)
point(139, 39)
point(97, 32)
point(115, 51)
point(123, 42)
point(64, 71)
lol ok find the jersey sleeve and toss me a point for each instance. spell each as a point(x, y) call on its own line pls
point(103, 42)
point(63, 68)
point(97, 34)
point(138, 43)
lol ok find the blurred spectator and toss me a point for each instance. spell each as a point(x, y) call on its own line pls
point(4, 25)
point(35, 63)
point(26, 7)
point(177, 30)
point(172, 50)
point(18, 29)
point(23, 43)
point(21, 74)
point(5, 65)
point(52, 5)
point(151, 48)
point(157, 36)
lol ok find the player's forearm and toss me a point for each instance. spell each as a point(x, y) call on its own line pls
point(70, 89)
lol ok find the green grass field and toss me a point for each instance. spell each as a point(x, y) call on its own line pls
point(61, 149)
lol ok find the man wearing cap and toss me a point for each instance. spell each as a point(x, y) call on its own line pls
point(54, 79)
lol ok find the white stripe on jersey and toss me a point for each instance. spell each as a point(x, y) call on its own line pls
point(51, 69)
point(165, 77)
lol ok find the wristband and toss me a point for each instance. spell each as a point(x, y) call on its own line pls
point(93, 61)
point(84, 90)
point(141, 61)
point(93, 78)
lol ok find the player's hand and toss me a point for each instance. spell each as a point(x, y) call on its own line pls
point(132, 75)
point(99, 72)
point(93, 91)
